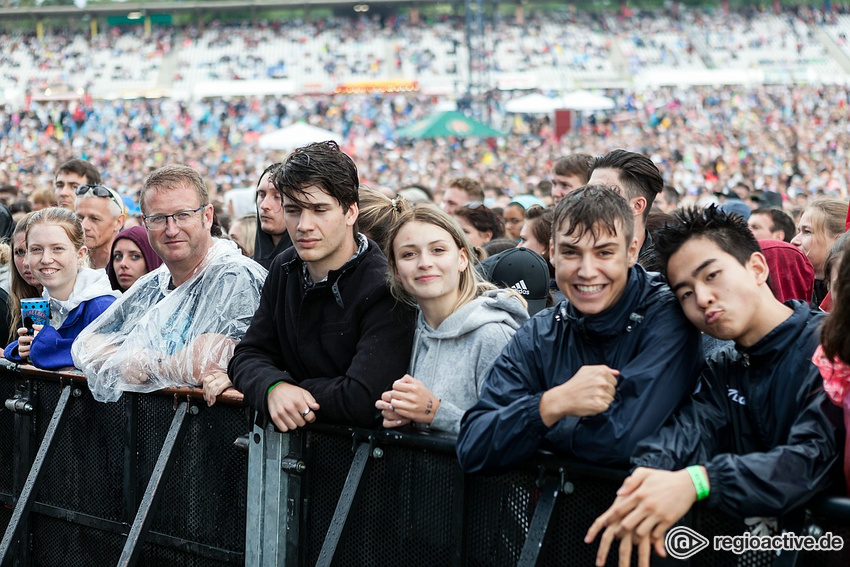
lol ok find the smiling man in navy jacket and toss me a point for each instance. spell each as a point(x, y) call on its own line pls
point(595, 374)
point(327, 338)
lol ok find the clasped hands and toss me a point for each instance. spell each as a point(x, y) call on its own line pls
point(408, 401)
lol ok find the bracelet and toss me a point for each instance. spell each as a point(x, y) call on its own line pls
point(272, 387)
point(700, 481)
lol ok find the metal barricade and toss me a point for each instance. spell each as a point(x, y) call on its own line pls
point(153, 479)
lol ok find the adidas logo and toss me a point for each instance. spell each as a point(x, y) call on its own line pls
point(520, 287)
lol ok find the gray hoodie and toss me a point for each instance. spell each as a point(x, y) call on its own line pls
point(453, 359)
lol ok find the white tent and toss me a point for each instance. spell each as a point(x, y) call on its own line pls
point(534, 103)
point(295, 136)
point(585, 100)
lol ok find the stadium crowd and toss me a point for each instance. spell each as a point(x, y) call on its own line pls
point(513, 293)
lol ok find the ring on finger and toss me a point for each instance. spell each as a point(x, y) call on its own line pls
point(306, 412)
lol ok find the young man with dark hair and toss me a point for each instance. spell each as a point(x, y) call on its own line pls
point(760, 436)
point(637, 179)
point(328, 338)
point(598, 372)
point(772, 224)
point(69, 176)
point(461, 190)
point(568, 174)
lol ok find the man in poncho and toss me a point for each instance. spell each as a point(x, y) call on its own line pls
point(179, 324)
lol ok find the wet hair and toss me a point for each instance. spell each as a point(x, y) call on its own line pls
point(482, 219)
point(82, 168)
point(19, 288)
point(378, 214)
point(834, 334)
point(471, 283)
point(473, 188)
point(828, 217)
point(270, 171)
point(321, 165)
point(837, 251)
point(579, 165)
point(727, 230)
point(638, 175)
point(593, 208)
point(779, 220)
point(175, 176)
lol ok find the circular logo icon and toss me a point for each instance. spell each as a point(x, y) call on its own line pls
point(458, 127)
point(683, 543)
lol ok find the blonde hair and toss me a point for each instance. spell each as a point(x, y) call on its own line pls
point(19, 288)
point(378, 214)
point(828, 217)
point(471, 285)
point(247, 226)
point(67, 220)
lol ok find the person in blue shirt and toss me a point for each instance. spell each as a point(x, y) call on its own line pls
point(594, 375)
point(76, 294)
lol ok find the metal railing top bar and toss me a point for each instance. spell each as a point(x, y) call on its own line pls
point(229, 396)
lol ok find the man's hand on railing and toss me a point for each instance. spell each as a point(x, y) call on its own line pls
point(214, 384)
point(647, 505)
point(291, 407)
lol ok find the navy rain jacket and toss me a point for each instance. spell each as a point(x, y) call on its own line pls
point(761, 424)
point(644, 335)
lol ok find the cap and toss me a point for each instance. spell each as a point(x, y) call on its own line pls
point(736, 207)
point(523, 270)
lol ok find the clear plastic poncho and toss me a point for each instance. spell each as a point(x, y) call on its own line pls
point(153, 338)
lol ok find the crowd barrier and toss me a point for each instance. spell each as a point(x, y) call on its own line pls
point(156, 479)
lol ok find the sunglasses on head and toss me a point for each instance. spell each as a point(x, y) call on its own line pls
point(100, 191)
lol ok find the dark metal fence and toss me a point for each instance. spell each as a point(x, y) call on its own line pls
point(113, 493)
point(93, 486)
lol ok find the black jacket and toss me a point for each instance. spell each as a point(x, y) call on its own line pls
point(344, 340)
point(644, 335)
point(761, 424)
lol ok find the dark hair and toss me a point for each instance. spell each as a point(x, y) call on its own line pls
point(80, 167)
point(833, 335)
point(591, 208)
point(836, 252)
point(639, 176)
point(473, 189)
point(483, 219)
point(323, 165)
point(574, 164)
point(671, 195)
point(728, 230)
point(779, 220)
point(539, 221)
point(498, 245)
point(270, 171)
point(20, 207)
point(544, 186)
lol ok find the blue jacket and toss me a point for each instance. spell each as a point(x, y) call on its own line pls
point(644, 335)
point(761, 424)
point(51, 348)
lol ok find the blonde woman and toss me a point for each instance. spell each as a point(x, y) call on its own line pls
point(462, 326)
point(56, 255)
point(821, 223)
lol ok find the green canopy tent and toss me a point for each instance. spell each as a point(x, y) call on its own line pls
point(448, 124)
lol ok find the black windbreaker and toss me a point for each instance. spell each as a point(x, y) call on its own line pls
point(644, 335)
point(761, 424)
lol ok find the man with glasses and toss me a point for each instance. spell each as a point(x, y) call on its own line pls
point(71, 175)
point(101, 212)
point(179, 324)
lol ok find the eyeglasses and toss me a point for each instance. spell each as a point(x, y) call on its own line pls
point(100, 191)
point(180, 218)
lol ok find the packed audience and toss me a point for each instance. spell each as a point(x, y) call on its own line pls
point(511, 294)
